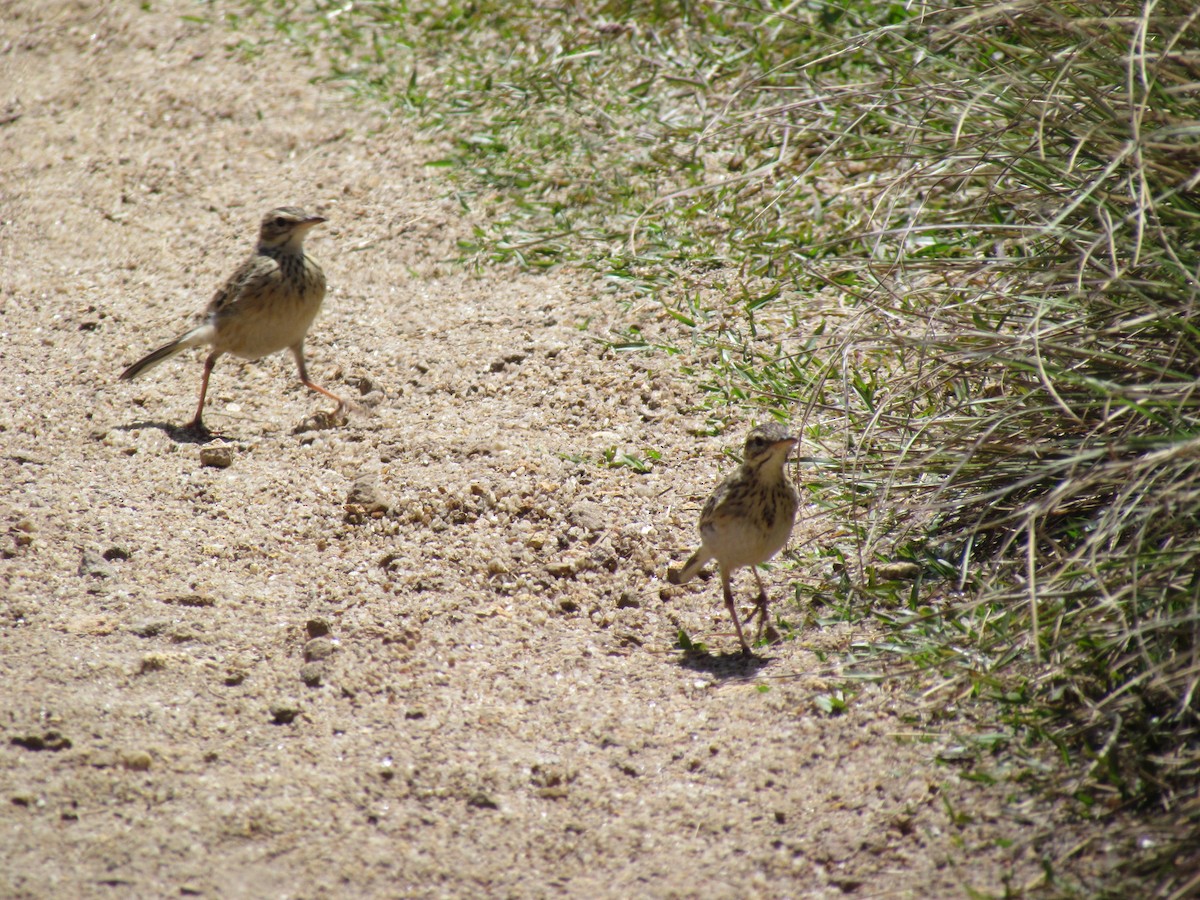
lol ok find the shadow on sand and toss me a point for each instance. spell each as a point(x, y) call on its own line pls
point(723, 665)
point(180, 434)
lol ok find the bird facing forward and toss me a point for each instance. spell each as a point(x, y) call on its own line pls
point(748, 519)
point(266, 305)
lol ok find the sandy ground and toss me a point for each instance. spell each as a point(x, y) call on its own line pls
point(428, 653)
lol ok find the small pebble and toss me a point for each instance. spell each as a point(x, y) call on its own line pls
point(628, 600)
point(149, 628)
point(589, 516)
point(137, 761)
point(284, 712)
point(218, 456)
point(319, 648)
point(93, 565)
point(312, 674)
point(153, 662)
point(365, 500)
point(482, 800)
point(317, 627)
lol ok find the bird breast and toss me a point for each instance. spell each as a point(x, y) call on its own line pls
point(274, 315)
point(756, 532)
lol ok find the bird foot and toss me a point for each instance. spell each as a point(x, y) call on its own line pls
point(323, 421)
point(769, 633)
point(198, 429)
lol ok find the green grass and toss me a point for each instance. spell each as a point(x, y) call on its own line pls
point(954, 246)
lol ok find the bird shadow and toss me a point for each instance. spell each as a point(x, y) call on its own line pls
point(723, 665)
point(180, 434)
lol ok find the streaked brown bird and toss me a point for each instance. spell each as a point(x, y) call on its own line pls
point(748, 519)
point(265, 306)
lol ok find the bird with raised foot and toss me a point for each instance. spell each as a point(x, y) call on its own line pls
point(265, 306)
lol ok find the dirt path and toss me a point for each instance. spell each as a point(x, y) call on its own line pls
point(496, 709)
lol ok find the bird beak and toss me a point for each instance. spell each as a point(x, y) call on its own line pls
point(313, 220)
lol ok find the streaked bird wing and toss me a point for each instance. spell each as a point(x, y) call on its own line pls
point(249, 281)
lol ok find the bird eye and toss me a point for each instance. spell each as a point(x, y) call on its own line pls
point(280, 221)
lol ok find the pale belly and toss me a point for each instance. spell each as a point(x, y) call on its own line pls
point(734, 547)
point(261, 332)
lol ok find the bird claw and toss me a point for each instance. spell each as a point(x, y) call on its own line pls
point(323, 421)
point(198, 429)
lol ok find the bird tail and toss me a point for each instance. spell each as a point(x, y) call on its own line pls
point(198, 336)
point(689, 569)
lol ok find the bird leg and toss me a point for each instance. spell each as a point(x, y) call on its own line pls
point(298, 352)
point(197, 423)
point(729, 605)
point(760, 610)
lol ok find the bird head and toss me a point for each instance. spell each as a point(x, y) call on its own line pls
point(765, 442)
point(285, 225)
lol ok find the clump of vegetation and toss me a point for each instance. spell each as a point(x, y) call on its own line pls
point(959, 244)
point(1048, 351)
